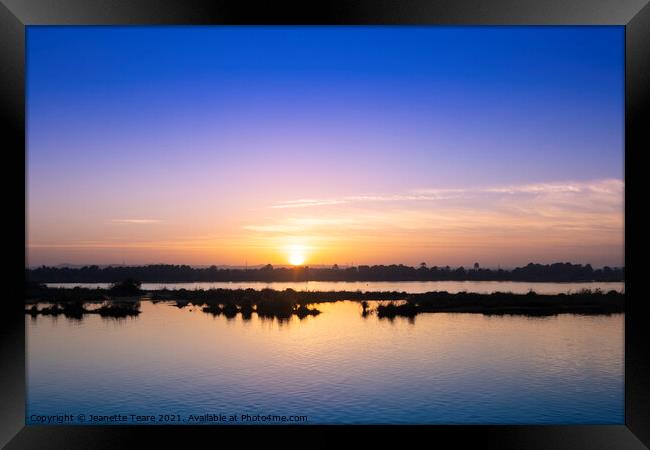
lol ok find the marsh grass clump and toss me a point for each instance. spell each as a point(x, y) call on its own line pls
point(71, 310)
point(407, 309)
point(74, 310)
point(53, 310)
point(127, 288)
point(230, 310)
point(531, 303)
point(267, 303)
point(303, 311)
point(275, 304)
point(212, 308)
point(365, 308)
point(118, 309)
point(162, 294)
point(246, 308)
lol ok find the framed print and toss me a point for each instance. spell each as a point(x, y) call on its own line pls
point(279, 221)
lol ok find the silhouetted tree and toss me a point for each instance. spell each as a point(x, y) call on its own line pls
point(558, 272)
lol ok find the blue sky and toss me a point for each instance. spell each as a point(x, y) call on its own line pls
point(221, 125)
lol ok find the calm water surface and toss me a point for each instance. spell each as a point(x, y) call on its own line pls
point(412, 287)
point(337, 367)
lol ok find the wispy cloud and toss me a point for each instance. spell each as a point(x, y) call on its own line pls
point(568, 213)
point(414, 196)
point(135, 221)
point(605, 187)
point(279, 228)
point(307, 203)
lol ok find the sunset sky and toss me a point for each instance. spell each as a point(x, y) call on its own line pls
point(323, 145)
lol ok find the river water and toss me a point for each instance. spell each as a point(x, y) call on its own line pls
point(412, 287)
point(334, 368)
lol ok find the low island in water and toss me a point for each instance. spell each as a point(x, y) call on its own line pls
point(123, 299)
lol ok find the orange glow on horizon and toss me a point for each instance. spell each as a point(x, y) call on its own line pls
point(581, 222)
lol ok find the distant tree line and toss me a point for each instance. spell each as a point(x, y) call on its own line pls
point(168, 273)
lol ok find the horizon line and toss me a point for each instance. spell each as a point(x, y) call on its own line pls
point(319, 266)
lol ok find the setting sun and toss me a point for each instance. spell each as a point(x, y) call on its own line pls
point(296, 259)
point(296, 255)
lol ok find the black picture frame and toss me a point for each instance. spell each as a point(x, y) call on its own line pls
point(15, 15)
